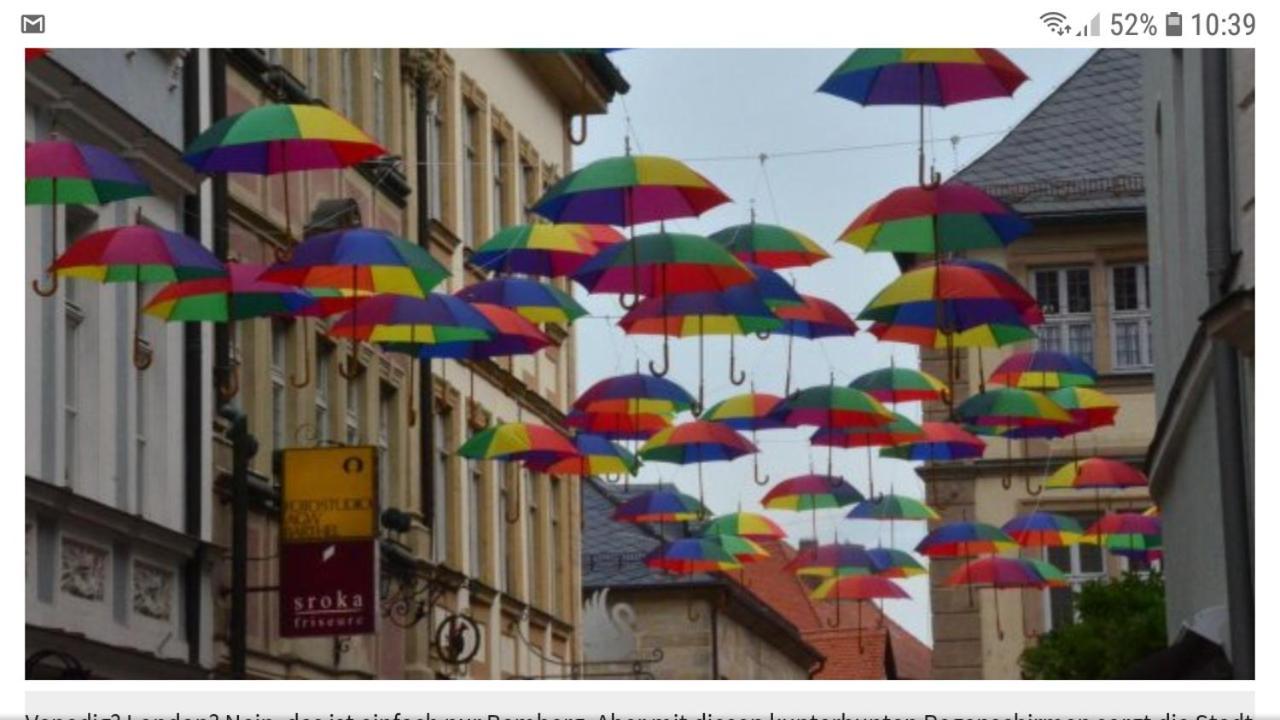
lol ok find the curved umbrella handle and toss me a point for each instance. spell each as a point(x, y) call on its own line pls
point(737, 377)
point(1006, 482)
point(764, 335)
point(1032, 493)
point(349, 370)
point(230, 385)
point(284, 253)
point(141, 360)
point(579, 138)
point(828, 621)
point(45, 292)
point(666, 361)
point(629, 304)
point(691, 612)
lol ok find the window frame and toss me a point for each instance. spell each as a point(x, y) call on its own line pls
point(442, 487)
point(1076, 576)
point(323, 419)
point(279, 330)
point(380, 76)
point(346, 80)
point(472, 173)
point(1142, 315)
point(1061, 319)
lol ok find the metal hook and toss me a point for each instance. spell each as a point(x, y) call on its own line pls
point(45, 292)
point(666, 361)
point(577, 139)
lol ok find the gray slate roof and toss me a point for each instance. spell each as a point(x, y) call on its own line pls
point(1079, 150)
point(613, 552)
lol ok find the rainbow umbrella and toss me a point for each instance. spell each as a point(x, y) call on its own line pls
point(815, 318)
point(895, 385)
point(834, 407)
point(536, 302)
point(696, 442)
point(745, 550)
point(518, 441)
point(892, 507)
point(634, 393)
point(900, 430)
point(273, 139)
point(965, 539)
point(1097, 473)
point(660, 506)
point(832, 560)
point(1132, 532)
point(541, 249)
point(770, 245)
point(813, 493)
point(618, 425)
point(1043, 370)
point(137, 254)
point(962, 294)
point(859, 588)
point(750, 411)
point(941, 441)
point(930, 220)
point(894, 563)
point(596, 456)
point(999, 573)
point(1042, 529)
point(1089, 408)
point(59, 172)
point(1014, 412)
point(981, 335)
point(689, 556)
point(629, 190)
point(403, 319)
point(1050, 575)
point(1152, 511)
point(752, 526)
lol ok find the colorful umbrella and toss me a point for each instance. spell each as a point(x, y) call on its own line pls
point(816, 318)
point(660, 506)
point(895, 385)
point(511, 335)
point(892, 507)
point(752, 526)
point(1097, 473)
point(899, 431)
point(518, 441)
point(832, 560)
point(536, 302)
point(629, 190)
point(980, 335)
point(998, 573)
point(634, 393)
point(541, 249)
point(971, 294)
point(813, 493)
point(745, 550)
point(137, 254)
point(834, 407)
point(1042, 529)
point(860, 588)
point(894, 563)
point(965, 539)
point(403, 319)
point(596, 456)
point(1049, 574)
point(1089, 408)
point(696, 442)
point(929, 220)
point(689, 556)
point(770, 245)
point(618, 425)
point(751, 411)
point(1130, 534)
point(1043, 370)
point(59, 172)
point(941, 441)
point(1011, 412)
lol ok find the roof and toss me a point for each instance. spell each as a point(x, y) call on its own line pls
point(613, 552)
point(886, 650)
point(1079, 151)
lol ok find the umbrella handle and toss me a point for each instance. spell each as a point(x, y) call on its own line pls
point(1031, 492)
point(141, 360)
point(765, 335)
point(629, 304)
point(666, 362)
point(756, 478)
point(691, 612)
point(1006, 482)
point(737, 377)
point(581, 138)
point(828, 622)
point(230, 386)
point(45, 292)
point(284, 254)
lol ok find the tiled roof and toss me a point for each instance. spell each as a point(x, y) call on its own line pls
point(613, 552)
point(1079, 150)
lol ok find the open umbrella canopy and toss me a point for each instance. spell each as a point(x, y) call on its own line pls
point(899, 431)
point(1049, 573)
point(965, 539)
point(511, 335)
point(923, 76)
point(859, 587)
point(980, 335)
point(634, 393)
point(774, 289)
point(281, 138)
point(832, 560)
point(895, 563)
point(956, 297)
point(618, 425)
point(1011, 407)
point(834, 406)
point(596, 456)
point(404, 319)
point(811, 492)
point(60, 172)
point(700, 313)
point(772, 246)
point(1089, 407)
point(237, 296)
point(895, 385)
point(629, 190)
point(662, 263)
point(748, 411)
point(997, 572)
point(892, 507)
point(1122, 524)
point(697, 441)
point(1096, 473)
point(363, 260)
point(660, 506)
point(745, 550)
point(752, 526)
point(1042, 529)
point(816, 318)
point(941, 441)
point(536, 302)
point(517, 441)
point(1043, 370)
point(926, 220)
point(542, 249)
point(137, 254)
point(688, 556)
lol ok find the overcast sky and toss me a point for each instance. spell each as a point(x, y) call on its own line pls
point(828, 158)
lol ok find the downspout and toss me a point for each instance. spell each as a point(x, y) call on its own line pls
point(426, 381)
point(221, 233)
point(1236, 522)
point(193, 386)
point(715, 639)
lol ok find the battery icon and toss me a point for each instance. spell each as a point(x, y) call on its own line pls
point(1173, 24)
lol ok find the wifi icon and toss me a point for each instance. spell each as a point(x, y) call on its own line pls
point(1056, 21)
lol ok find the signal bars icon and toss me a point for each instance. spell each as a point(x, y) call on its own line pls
point(1057, 23)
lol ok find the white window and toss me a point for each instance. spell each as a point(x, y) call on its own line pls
point(475, 501)
point(379, 90)
point(140, 431)
point(348, 91)
point(80, 362)
point(532, 548)
point(506, 567)
point(1066, 297)
point(324, 375)
point(435, 159)
point(558, 568)
point(1082, 563)
point(279, 401)
point(499, 199)
point(528, 194)
point(386, 405)
point(75, 317)
point(471, 156)
point(312, 62)
point(1130, 318)
point(355, 403)
point(440, 488)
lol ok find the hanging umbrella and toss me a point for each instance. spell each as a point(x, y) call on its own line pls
point(629, 190)
point(1050, 575)
point(542, 249)
point(511, 334)
point(965, 539)
point(536, 302)
point(947, 218)
point(942, 441)
point(1089, 408)
point(1010, 412)
point(813, 493)
point(751, 411)
point(618, 425)
point(596, 456)
point(744, 550)
point(834, 407)
point(60, 172)
point(752, 526)
point(770, 245)
point(660, 506)
point(895, 385)
point(1043, 370)
point(894, 563)
point(832, 560)
point(892, 507)
point(816, 318)
point(971, 293)
point(634, 393)
point(689, 556)
point(1097, 473)
point(137, 254)
point(979, 335)
point(900, 430)
point(272, 139)
point(696, 442)
point(859, 588)
point(998, 573)
point(1122, 524)
point(518, 441)
point(1042, 529)
point(402, 319)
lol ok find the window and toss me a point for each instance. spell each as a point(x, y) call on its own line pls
point(470, 157)
point(355, 406)
point(506, 506)
point(440, 486)
point(500, 198)
point(528, 186)
point(558, 568)
point(75, 317)
point(1130, 318)
point(312, 71)
point(379, 89)
point(1081, 564)
point(1066, 296)
point(386, 411)
point(140, 429)
point(532, 546)
point(324, 380)
point(475, 564)
point(279, 402)
point(348, 91)
point(435, 158)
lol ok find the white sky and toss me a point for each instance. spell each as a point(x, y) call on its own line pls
point(706, 106)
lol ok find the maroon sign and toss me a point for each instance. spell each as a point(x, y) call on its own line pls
point(328, 588)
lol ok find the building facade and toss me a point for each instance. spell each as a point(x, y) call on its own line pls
point(1198, 121)
point(1073, 167)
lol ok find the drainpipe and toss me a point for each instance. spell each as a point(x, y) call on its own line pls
point(715, 639)
point(426, 381)
point(193, 387)
point(1226, 370)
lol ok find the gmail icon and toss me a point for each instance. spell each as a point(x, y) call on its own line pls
point(32, 23)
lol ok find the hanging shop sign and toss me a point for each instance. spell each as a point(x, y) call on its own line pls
point(328, 588)
point(328, 494)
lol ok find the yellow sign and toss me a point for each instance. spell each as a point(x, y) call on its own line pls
point(329, 494)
